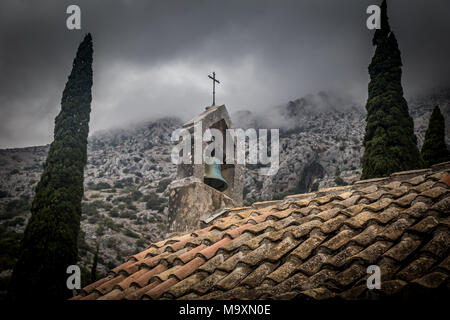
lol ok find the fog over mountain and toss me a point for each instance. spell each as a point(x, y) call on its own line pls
point(129, 169)
point(152, 58)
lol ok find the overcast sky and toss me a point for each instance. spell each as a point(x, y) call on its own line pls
point(152, 58)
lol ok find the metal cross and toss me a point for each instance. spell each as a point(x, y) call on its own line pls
point(213, 78)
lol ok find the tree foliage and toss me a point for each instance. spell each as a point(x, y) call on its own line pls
point(94, 264)
point(389, 141)
point(49, 244)
point(434, 149)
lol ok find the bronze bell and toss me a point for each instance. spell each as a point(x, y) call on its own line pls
point(213, 176)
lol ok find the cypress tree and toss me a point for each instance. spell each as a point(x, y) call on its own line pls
point(434, 149)
point(389, 141)
point(49, 244)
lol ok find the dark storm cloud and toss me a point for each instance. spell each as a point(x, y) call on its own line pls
point(151, 58)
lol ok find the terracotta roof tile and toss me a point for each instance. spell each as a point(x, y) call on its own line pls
point(339, 240)
point(353, 293)
point(91, 296)
point(314, 246)
point(417, 268)
point(284, 271)
point(259, 274)
point(304, 229)
point(189, 255)
point(368, 235)
point(163, 276)
point(403, 249)
point(137, 294)
point(143, 279)
point(184, 286)
point(371, 254)
point(425, 225)
point(319, 294)
point(442, 206)
point(157, 291)
point(307, 246)
point(210, 251)
point(350, 275)
point(445, 265)
point(233, 278)
point(434, 192)
point(88, 289)
point(344, 256)
point(125, 283)
point(258, 228)
point(314, 264)
point(389, 267)
point(202, 231)
point(256, 256)
point(423, 187)
point(392, 287)
point(446, 180)
point(432, 280)
point(188, 268)
point(208, 283)
point(211, 265)
point(333, 224)
point(229, 264)
point(349, 201)
point(108, 285)
point(234, 233)
point(396, 229)
point(152, 261)
point(282, 248)
point(417, 210)
point(439, 245)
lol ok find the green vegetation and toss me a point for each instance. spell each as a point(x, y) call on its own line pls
point(389, 141)
point(162, 185)
point(434, 149)
point(14, 208)
point(50, 241)
point(83, 247)
point(9, 246)
point(101, 186)
point(94, 264)
point(339, 181)
point(154, 202)
point(286, 193)
point(3, 194)
point(140, 243)
point(127, 215)
point(100, 231)
point(109, 223)
point(131, 234)
point(314, 187)
point(114, 213)
point(122, 183)
point(16, 221)
point(135, 195)
point(89, 209)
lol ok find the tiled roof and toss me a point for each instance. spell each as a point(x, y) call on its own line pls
point(314, 246)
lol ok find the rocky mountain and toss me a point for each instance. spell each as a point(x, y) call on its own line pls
point(129, 169)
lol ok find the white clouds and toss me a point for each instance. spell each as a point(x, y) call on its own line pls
point(152, 58)
point(126, 93)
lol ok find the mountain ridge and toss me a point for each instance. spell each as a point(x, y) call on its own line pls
point(129, 169)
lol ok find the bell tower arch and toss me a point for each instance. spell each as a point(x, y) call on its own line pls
point(192, 198)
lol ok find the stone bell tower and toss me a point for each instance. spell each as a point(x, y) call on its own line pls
point(192, 202)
